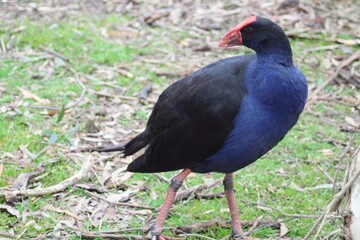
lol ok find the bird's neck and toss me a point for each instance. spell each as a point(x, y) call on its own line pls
point(271, 59)
point(279, 52)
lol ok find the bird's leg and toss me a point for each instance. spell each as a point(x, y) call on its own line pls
point(234, 213)
point(175, 184)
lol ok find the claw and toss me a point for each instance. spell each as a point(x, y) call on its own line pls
point(238, 236)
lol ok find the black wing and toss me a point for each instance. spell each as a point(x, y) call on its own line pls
point(192, 118)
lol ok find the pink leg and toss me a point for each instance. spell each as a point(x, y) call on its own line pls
point(234, 213)
point(175, 184)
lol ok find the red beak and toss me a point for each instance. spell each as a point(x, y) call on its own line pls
point(233, 37)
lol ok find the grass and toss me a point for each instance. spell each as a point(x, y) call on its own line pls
point(284, 178)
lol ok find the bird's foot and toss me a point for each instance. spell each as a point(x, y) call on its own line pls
point(237, 236)
point(157, 235)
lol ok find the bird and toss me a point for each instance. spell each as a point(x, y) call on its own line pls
point(223, 116)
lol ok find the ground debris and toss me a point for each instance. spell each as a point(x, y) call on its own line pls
point(21, 182)
point(199, 227)
point(102, 112)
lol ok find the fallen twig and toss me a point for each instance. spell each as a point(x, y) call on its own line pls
point(52, 52)
point(119, 203)
point(341, 161)
point(343, 64)
point(327, 175)
point(58, 210)
point(330, 207)
point(112, 236)
point(286, 214)
point(197, 236)
point(210, 195)
point(70, 105)
point(255, 225)
point(194, 190)
point(82, 95)
point(198, 227)
point(161, 178)
point(322, 48)
point(11, 195)
point(3, 233)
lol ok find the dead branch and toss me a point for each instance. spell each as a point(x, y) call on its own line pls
point(82, 95)
point(210, 195)
point(52, 52)
point(199, 227)
point(16, 194)
point(161, 178)
point(73, 104)
point(92, 235)
point(286, 214)
point(3, 233)
point(109, 235)
point(197, 236)
point(58, 210)
point(313, 36)
point(351, 200)
point(326, 174)
point(343, 64)
point(330, 207)
point(341, 161)
point(194, 190)
point(119, 203)
point(255, 225)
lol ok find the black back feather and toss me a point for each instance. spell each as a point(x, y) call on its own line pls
point(192, 118)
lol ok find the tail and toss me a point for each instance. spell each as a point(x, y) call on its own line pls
point(112, 148)
point(129, 148)
point(136, 143)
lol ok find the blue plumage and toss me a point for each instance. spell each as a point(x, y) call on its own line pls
point(269, 110)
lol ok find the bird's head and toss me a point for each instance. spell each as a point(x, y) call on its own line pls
point(256, 33)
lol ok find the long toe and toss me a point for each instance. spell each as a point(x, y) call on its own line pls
point(237, 236)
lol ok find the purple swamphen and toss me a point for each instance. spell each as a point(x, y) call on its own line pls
point(224, 116)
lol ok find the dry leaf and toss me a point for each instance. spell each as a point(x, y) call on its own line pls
point(296, 187)
point(28, 94)
point(144, 212)
point(91, 187)
point(119, 176)
point(283, 230)
point(10, 210)
point(21, 182)
point(121, 197)
point(97, 214)
point(349, 42)
point(326, 152)
point(323, 186)
point(264, 208)
point(59, 210)
point(110, 213)
point(351, 121)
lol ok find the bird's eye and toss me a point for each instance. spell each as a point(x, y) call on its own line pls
point(249, 29)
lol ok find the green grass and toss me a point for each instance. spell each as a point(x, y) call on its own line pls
point(292, 163)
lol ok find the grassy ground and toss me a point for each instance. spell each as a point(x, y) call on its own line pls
point(288, 178)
